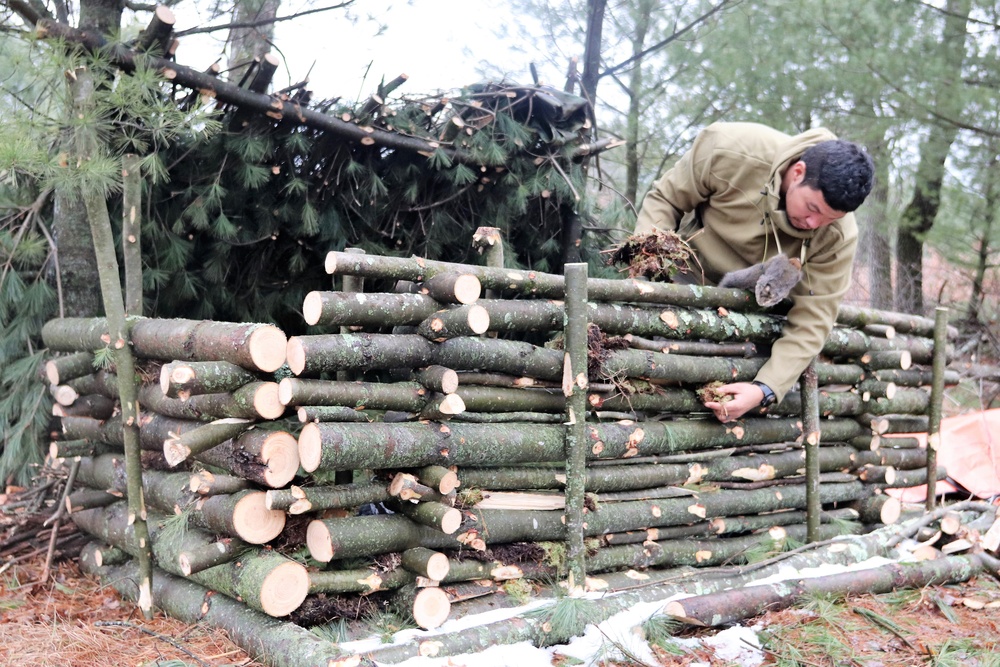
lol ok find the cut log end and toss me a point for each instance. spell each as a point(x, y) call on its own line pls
point(319, 541)
point(51, 372)
point(479, 319)
point(284, 589)
point(267, 345)
point(437, 567)
point(467, 288)
point(891, 510)
point(312, 308)
point(451, 404)
point(253, 522)
point(331, 263)
point(451, 521)
point(280, 453)
point(905, 360)
point(310, 446)
point(175, 453)
point(431, 607)
point(267, 401)
point(295, 355)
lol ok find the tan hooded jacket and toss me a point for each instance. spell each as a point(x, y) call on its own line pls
point(723, 197)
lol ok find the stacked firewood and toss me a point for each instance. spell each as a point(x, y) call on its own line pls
point(431, 432)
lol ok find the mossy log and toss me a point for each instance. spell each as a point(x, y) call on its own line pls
point(734, 605)
point(59, 370)
point(468, 320)
point(437, 378)
point(302, 499)
point(705, 553)
point(91, 405)
point(262, 578)
point(278, 642)
point(83, 499)
point(336, 309)
point(265, 457)
point(255, 400)
point(900, 459)
point(916, 377)
point(359, 580)
point(203, 556)
point(403, 396)
point(258, 347)
point(183, 379)
point(333, 446)
point(350, 537)
point(432, 565)
point(846, 403)
point(888, 424)
point(335, 413)
point(100, 382)
point(207, 483)
point(180, 446)
point(244, 515)
point(535, 283)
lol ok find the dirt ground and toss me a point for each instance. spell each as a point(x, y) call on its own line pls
point(72, 621)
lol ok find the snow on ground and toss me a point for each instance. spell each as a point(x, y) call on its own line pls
point(613, 638)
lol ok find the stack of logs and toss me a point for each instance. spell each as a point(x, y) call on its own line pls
point(424, 438)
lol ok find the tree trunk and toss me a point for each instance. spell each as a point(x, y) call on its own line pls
point(918, 216)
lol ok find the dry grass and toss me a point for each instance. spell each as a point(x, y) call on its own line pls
point(58, 624)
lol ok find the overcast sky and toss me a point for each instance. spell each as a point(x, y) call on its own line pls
point(438, 43)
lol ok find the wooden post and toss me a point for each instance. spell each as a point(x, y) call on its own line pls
point(937, 396)
point(575, 385)
point(808, 386)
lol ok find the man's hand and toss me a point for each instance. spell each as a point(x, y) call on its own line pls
point(746, 397)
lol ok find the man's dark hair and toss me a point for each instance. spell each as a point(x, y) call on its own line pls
point(842, 171)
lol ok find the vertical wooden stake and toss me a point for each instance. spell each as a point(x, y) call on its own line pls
point(352, 284)
point(131, 233)
point(937, 399)
point(575, 385)
point(808, 386)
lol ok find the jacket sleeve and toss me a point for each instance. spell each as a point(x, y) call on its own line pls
point(816, 300)
point(685, 185)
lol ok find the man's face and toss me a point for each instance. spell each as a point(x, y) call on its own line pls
point(805, 206)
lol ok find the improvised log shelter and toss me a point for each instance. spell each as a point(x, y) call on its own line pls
point(457, 423)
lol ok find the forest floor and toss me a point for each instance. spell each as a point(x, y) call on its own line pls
point(71, 620)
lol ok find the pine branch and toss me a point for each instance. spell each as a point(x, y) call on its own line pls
point(262, 22)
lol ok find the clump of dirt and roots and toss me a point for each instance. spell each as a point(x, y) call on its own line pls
point(657, 255)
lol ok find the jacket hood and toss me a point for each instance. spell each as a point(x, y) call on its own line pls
point(784, 158)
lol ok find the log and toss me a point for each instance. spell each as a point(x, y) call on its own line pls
point(333, 446)
point(434, 514)
point(60, 370)
point(715, 609)
point(256, 347)
point(333, 413)
point(437, 378)
point(244, 515)
point(183, 379)
point(359, 580)
point(263, 579)
point(335, 309)
point(64, 449)
point(430, 606)
point(705, 553)
point(199, 558)
point(207, 483)
point(469, 320)
point(279, 642)
point(889, 424)
point(441, 479)
point(692, 348)
point(84, 499)
point(98, 382)
point(92, 405)
point(255, 400)
point(265, 457)
point(427, 563)
point(449, 287)
point(302, 499)
point(402, 396)
point(178, 448)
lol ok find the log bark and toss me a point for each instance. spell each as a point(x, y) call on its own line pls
point(336, 309)
point(452, 287)
point(199, 558)
point(207, 483)
point(726, 607)
point(256, 347)
point(280, 643)
point(935, 408)
point(333, 446)
point(60, 370)
point(180, 447)
point(162, 24)
point(469, 320)
point(402, 396)
point(92, 405)
point(262, 579)
point(265, 457)
point(183, 379)
point(255, 400)
point(302, 499)
point(359, 580)
point(437, 378)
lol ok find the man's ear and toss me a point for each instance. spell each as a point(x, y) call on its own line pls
point(798, 170)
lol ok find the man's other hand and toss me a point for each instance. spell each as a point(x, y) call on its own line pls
point(746, 397)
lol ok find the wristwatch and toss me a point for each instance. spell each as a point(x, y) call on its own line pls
point(769, 397)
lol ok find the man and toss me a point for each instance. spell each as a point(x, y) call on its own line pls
point(745, 192)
